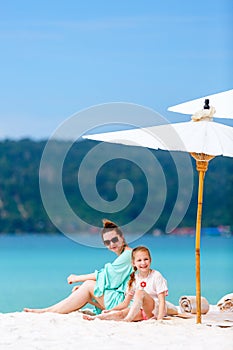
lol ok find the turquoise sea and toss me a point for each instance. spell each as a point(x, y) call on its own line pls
point(34, 267)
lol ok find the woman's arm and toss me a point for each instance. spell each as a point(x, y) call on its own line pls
point(114, 277)
point(81, 278)
point(162, 304)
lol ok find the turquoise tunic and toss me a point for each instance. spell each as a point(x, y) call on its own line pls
point(112, 280)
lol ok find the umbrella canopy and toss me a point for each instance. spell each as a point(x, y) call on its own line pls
point(222, 103)
point(201, 137)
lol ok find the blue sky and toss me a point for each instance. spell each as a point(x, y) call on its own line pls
point(59, 57)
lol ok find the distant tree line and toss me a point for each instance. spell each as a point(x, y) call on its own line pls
point(22, 209)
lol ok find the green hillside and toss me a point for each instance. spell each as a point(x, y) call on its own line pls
point(22, 210)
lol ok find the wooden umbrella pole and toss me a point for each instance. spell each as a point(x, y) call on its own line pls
point(202, 166)
point(198, 244)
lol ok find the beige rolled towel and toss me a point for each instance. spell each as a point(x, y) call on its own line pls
point(188, 304)
point(226, 302)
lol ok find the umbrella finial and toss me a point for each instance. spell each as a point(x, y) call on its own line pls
point(207, 105)
point(204, 114)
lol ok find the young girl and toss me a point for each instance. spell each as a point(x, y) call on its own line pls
point(147, 289)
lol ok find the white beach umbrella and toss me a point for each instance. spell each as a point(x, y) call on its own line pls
point(201, 137)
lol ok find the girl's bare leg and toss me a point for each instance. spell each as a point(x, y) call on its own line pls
point(74, 301)
point(141, 299)
point(112, 315)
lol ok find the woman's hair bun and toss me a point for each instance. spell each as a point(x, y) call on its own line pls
point(109, 224)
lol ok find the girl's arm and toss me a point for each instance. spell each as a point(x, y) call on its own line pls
point(162, 304)
point(81, 278)
point(124, 304)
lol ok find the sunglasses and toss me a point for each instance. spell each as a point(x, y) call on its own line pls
point(113, 240)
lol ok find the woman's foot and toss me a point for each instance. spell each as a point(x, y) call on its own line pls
point(37, 311)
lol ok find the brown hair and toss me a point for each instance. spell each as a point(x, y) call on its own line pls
point(111, 226)
point(140, 248)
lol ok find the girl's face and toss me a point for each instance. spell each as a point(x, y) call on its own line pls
point(113, 241)
point(142, 261)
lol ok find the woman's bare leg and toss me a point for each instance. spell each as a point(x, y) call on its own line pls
point(74, 301)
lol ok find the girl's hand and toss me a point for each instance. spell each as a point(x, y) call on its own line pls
point(161, 312)
point(160, 321)
point(105, 311)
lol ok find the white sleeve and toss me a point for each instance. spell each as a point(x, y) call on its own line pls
point(160, 284)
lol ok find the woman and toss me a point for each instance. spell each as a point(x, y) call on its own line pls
point(104, 288)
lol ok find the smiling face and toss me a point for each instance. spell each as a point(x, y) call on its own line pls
point(113, 241)
point(142, 261)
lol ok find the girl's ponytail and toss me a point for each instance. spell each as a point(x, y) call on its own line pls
point(132, 278)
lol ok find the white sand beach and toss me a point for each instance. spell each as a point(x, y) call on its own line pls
point(28, 331)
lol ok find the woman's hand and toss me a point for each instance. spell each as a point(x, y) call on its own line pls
point(81, 278)
point(72, 279)
point(75, 288)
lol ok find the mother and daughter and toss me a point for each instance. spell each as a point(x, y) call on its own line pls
point(145, 294)
point(127, 289)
